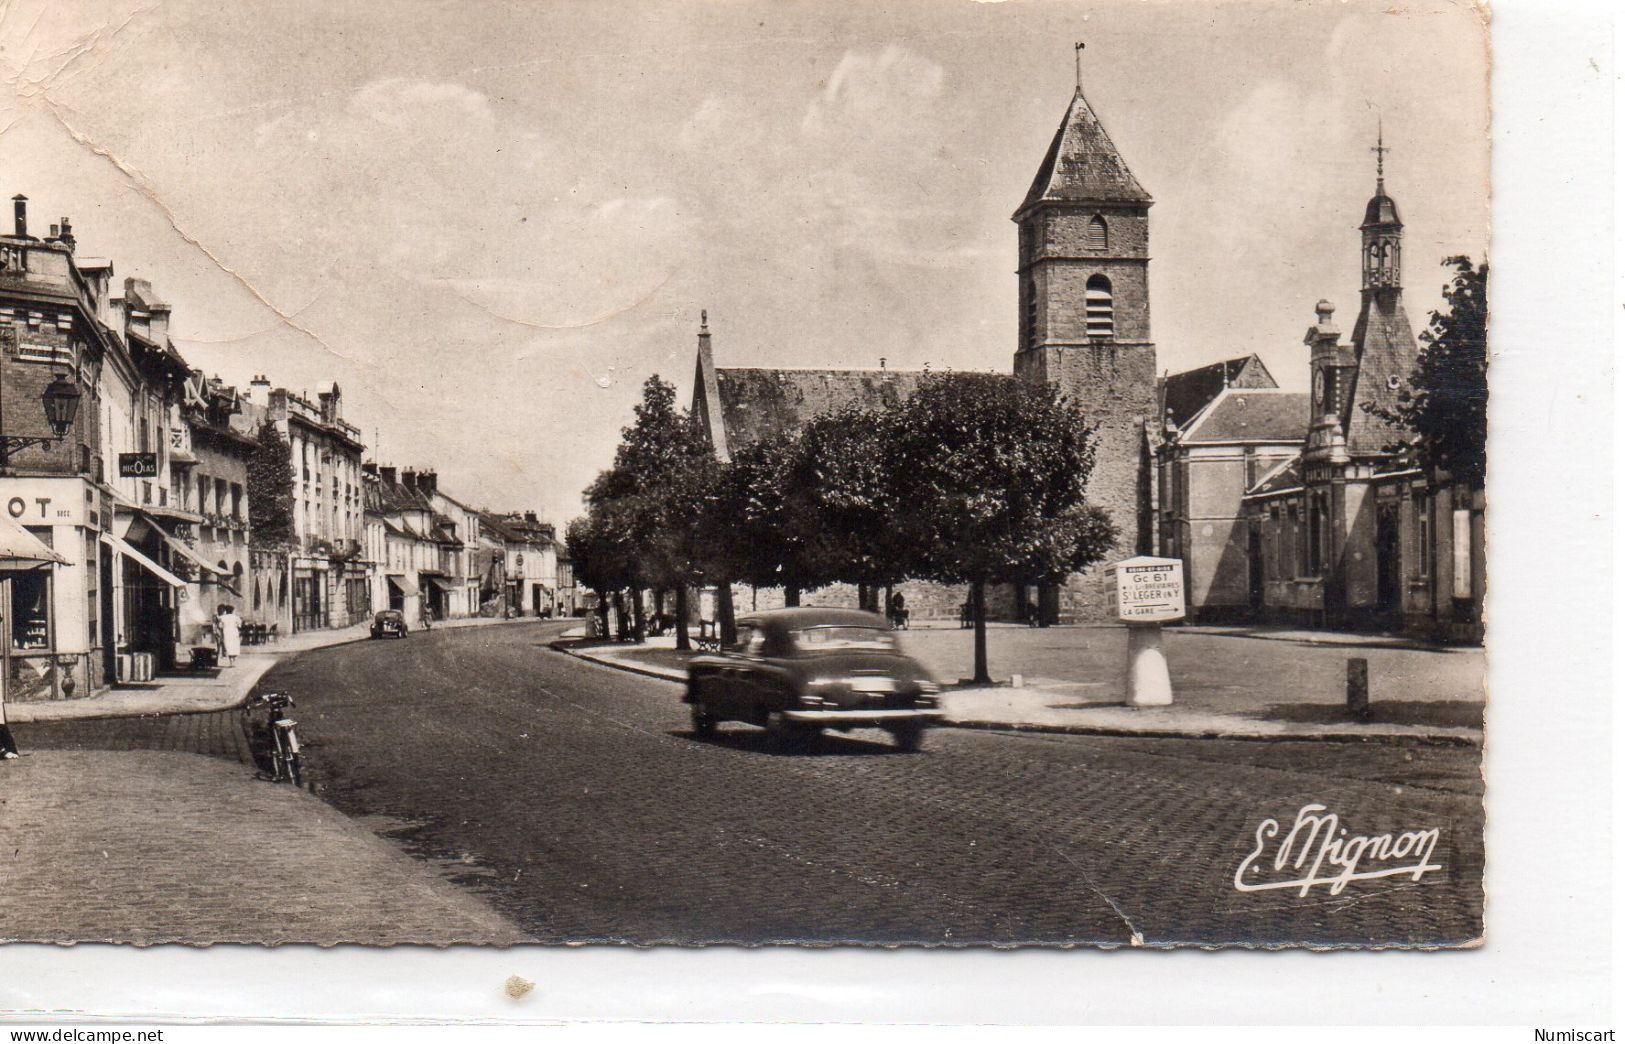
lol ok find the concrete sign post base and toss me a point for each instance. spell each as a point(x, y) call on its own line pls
point(1147, 680)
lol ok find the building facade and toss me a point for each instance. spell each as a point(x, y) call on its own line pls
point(327, 576)
point(1351, 533)
point(1219, 438)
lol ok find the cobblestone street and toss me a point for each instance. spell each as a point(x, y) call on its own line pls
point(573, 797)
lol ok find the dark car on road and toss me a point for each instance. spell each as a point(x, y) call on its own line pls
point(800, 671)
point(389, 623)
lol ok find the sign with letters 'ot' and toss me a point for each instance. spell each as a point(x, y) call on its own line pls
point(1149, 590)
point(138, 465)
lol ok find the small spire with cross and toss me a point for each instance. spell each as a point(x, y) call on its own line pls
point(704, 325)
point(1379, 149)
point(1077, 58)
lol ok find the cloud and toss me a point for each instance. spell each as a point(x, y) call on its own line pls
point(867, 91)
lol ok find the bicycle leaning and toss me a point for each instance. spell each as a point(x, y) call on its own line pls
point(282, 742)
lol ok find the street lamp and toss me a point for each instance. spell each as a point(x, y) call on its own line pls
point(61, 400)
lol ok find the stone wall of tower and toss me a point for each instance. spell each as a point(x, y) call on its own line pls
point(1116, 386)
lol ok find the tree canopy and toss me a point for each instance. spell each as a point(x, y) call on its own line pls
point(1447, 397)
point(270, 487)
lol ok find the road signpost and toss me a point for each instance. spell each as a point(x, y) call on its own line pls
point(1148, 592)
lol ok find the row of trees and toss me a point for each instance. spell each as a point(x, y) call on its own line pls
point(974, 479)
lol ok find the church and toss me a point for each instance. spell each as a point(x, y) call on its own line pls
point(1283, 507)
point(1083, 237)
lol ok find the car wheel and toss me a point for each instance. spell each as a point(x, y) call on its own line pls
point(908, 737)
point(791, 733)
point(704, 723)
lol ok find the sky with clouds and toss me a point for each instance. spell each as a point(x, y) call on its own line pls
point(489, 222)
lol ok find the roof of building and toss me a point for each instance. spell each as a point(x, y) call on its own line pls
point(386, 498)
point(1185, 394)
point(760, 402)
point(1385, 353)
point(1082, 165)
point(1251, 415)
point(1382, 210)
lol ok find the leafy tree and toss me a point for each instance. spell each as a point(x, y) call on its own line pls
point(602, 559)
point(745, 535)
point(270, 487)
point(842, 509)
point(657, 492)
point(1447, 398)
point(988, 477)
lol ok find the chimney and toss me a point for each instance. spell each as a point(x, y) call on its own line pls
point(387, 474)
point(369, 469)
point(530, 516)
point(428, 482)
point(66, 238)
point(259, 390)
point(55, 231)
point(409, 479)
point(19, 208)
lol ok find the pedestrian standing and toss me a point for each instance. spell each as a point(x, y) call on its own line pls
point(231, 635)
point(219, 635)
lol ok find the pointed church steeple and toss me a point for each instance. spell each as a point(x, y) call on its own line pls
point(1083, 165)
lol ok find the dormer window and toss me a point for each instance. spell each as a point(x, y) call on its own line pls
point(1098, 307)
point(1094, 236)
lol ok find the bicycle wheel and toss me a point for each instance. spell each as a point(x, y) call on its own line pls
point(279, 756)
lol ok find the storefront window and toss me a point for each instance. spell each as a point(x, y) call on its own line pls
point(30, 602)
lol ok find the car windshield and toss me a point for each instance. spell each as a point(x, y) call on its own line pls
point(845, 636)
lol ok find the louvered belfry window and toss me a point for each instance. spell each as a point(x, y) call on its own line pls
point(1098, 307)
point(1095, 235)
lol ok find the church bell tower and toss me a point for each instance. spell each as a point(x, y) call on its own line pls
point(1085, 322)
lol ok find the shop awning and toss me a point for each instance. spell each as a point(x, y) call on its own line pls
point(20, 549)
point(442, 584)
point(178, 546)
point(123, 547)
point(400, 583)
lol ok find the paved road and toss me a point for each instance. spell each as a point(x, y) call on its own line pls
point(574, 799)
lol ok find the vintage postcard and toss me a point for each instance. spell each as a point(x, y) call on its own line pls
point(938, 474)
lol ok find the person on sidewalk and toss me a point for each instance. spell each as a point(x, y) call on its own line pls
point(231, 635)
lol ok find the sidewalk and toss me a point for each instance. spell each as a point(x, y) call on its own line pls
point(1225, 683)
point(150, 847)
point(179, 694)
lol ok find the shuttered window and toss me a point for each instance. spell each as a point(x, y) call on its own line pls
point(1095, 235)
point(1098, 307)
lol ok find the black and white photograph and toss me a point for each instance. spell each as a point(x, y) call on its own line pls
point(927, 475)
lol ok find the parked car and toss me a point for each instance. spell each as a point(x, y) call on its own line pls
point(389, 623)
point(800, 671)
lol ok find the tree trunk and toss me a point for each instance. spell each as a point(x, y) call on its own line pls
point(620, 615)
point(885, 605)
point(639, 624)
point(863, 597)
point(603, 614)
point(728, 632)
point(792, 596)
point(682, 619)
point(978, 605)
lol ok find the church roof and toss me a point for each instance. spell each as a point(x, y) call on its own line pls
point(1185, 394)
point(1382, 210)
point(1385, 355)
point(760, 402)
point(1251, 415)
point(1082, 165)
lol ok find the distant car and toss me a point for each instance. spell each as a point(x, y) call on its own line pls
point(390, 623)
point(800, 671)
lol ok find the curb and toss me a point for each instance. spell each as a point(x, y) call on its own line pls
point(1386, 738)
point(1398, 739)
